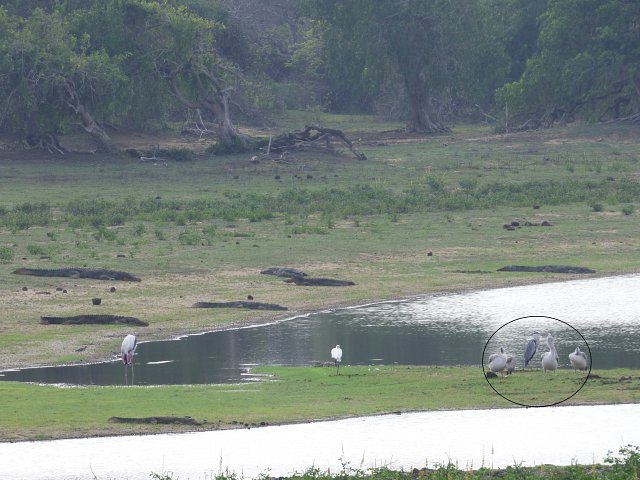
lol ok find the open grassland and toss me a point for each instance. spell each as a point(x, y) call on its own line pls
point(422, 214)
point(290, 394)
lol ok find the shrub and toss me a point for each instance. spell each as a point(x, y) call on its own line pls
point(6, 254)
point(628, 210)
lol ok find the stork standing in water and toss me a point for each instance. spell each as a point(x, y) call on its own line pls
point(336, 355)
point(550, 358)
point(578, 359)
point(127, 351)
point(532, 346)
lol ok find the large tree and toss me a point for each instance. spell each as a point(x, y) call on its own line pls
point(587, 65)
point(434, 47)
point(131, 62)
point(50, 80)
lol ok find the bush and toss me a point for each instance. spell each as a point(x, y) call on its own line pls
point(628, 210)
point(6, 255)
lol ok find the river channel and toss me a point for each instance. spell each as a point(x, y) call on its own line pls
point(601, 316)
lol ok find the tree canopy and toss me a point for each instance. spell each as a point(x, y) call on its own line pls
point(95, 64)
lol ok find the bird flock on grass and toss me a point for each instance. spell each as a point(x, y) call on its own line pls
point(504, 363)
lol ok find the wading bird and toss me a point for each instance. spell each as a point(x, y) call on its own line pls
point(550, 358)
point(532, 346)
point(498, 361)
point(578, 360)
point(127, 350)
point(336, 355)
point(511, 364)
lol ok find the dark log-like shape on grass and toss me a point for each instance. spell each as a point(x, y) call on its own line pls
point(93, 320)
point(156, 420)
point(546, 268)
point(94, 273)
point(240, 304)
point(320, 282)
point(283, 272)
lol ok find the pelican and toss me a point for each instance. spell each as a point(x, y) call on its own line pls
point(532, 346)
point(578, 360)
point(550, 358)
point(336, 355)
point(498, 361)
point(127, 350)
point(511, 364)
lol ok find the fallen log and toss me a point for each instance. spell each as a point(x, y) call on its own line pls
point(156, 420)
point(321, 282)
point(94, 273)
point(240, 304)
point(313, 136)
point(93, 320)
point(546, 269)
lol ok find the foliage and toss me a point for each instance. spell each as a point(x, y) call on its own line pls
point(435, 48)
point(587, 64)
point(52, 79)
point(6, 255)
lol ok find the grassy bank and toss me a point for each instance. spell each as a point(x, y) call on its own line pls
point(423, 214)
point(292, 394)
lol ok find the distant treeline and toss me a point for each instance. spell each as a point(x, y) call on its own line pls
point(210, 64)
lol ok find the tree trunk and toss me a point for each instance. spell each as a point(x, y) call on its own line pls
point(422, 118)
point(635, 97)
point(228, 133)
point(72, 99)
point(229, 137)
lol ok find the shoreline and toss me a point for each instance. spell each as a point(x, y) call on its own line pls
point(263, 320)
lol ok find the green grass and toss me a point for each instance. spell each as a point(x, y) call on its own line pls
point(290, 394)
point(204, 228)
point(622, 466)
point(201, 230)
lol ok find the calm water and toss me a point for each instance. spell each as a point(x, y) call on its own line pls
point(468, 438)
point(602, 315)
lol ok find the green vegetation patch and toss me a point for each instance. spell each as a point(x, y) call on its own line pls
point(287, 394)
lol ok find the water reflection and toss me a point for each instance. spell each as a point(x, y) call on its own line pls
point(435, 330)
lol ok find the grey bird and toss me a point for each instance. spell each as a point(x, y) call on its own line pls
point(578, 359)
point(532, 346)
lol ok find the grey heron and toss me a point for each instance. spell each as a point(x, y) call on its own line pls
point(127, 351)
point(532, 346)
point(336, 355)
point(550, 358)
point(578, 359)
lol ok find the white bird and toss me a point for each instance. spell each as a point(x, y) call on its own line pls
point(498, 361)
point(127, 351)
point(532, 346)
point(336, 355)
point(578, 359)
point(511, 364)
point(550, 358)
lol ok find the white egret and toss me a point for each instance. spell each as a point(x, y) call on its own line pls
point(578, 359)
point(532, 346)
point(550, 358)
point(127, 351)
point(336, 355)
point(498, 361)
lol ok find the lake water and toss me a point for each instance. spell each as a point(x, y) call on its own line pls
point(468, 438)
point(601, 316)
